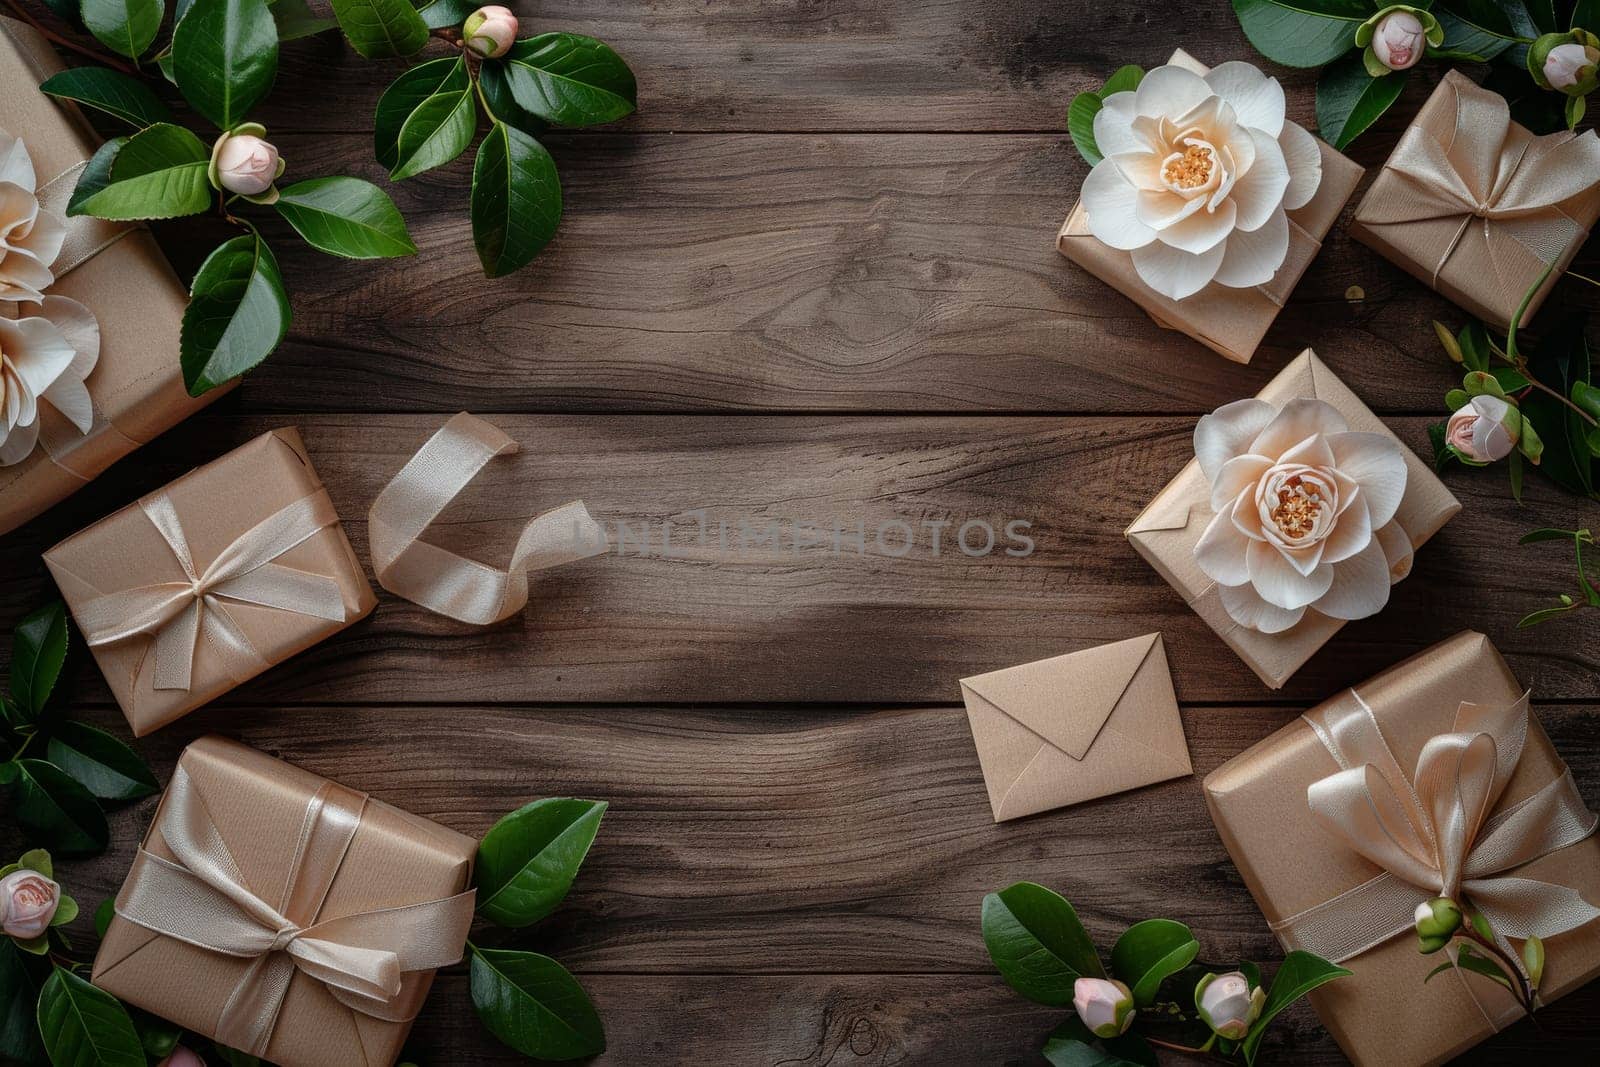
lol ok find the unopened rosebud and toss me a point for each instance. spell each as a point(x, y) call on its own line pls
point(1398, 40)
point(244, 162)
point(1104, 1005)
point(1484, 429)
point(1571, 66)
point(1227, 1004)
point(490, 31)
point(1437, 921)
point(28, 902)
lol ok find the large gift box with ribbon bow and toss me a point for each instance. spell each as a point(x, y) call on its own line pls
point(202, 585)
point(1476, 206)
point(1229, 321)
point(96, 307)
point(1431, 779)
point(285, 915)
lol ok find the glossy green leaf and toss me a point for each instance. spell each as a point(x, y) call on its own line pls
point(1560, 361)
point(1070, 1052)
point(1037, 942)
point(379, 28)
point(1470, 961)
point(295, 20)
point(444, 14)
point(103, 915)
point(224, 57)
point(55, 810)
point(1478, 33)
point(237, 314)
point(1148, 952)
point(532, 1004)
point(127, 27)
point(96, 174)
point(527, 860)
point(1085, 106)
point(102, 764)
point(84, 1026)
point(346, 217)
point(66, 911)
point(516, 200)
point(117, 94)
point(38, 649)
point(36, 859)
point(404, 95)
point(570, 80)
point(1349, 99)
point(19, 993)
point(502, 103)
point(435, 133)
point(1474, 343)
point(1298, 974)
point(158, 173)
point(1302, 33)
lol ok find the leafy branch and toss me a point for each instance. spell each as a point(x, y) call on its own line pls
point(1588, 596)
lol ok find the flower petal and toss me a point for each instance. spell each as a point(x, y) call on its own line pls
point(1280, 583)
point(70, 396)
point(1397, 549)
point(1254, 256)
point(1237, 475)
point(1256, 99)
point(1245, 607)
point(81, 330)
point(1159, 209)
point(1350, 535)
point(1259, 190)
point(1227, 432)
point(1377, 464)
point(38, 351)
point(1200, 231)
point(1173, 272)
point(1170, 91)
point(1304, 159)
point(18, 444)
point(1312, 452)
point(1221, 551)
point(1141, 168)
point(1360, 585)
point(1297, 420)
point(15, 165)
point(1109, 204)
point(1113, 126)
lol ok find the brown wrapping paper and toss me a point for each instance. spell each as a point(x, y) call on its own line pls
point(216, 503)
point(137, 385)
point(1230, 322)
point(259, 804)
point(1488, 281)
point(1290, 862)
point(1166, 532)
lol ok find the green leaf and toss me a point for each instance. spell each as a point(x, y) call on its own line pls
point(1035, 939)
point(96, 174)
point(379, 28)
point(1085, 106)
point(516, 200)
point(119, 95)
point(1546, 533)
point(1299, 974)
point(84, 1026)
point(66, 911)
point(19, 993)
point(1070, 1052)
point(127, 27)
point(296, 20)
point(1302, 33)
point(438, 131)
point(1534, 618)
point(444, 14)
point(35, 859)
point(237, 313)
point(1455, 399)
point(1586, 16)
point(54, 809)
point(103, 915)
point(1510, 379)
point(38, 649)
point(1514, 468)
point(103, 765)
point(1448, 341)
point(224, 57)
point(502, 104)
point(1561, 360)
point(346, 217)
point(1148, 952)
point(1473, 341)
point(1349, 99)
point(404, 95)
point(1471, 961)
point(157, 1036)
point(570, 80)
point(532, 1004)
point(1481, 35)
point(158, 173)
point(527, 860)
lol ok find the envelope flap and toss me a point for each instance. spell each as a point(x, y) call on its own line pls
point(1066, 699)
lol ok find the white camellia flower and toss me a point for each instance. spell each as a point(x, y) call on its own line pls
point(1197, 175)
point(44, 359)
point(1304, 513)
point(30, 238)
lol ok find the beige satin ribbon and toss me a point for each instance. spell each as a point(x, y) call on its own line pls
point(1437, 832)
point(1494, 171)
point(370, 961)
point(441, 581)
point(179, 613)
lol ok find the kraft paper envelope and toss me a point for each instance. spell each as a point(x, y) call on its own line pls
point(1076, 727)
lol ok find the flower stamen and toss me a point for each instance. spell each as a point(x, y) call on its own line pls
point(1299, 504)
point(1190, 170)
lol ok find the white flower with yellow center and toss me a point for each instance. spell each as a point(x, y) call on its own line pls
point(1197, 176)
point(30, 237)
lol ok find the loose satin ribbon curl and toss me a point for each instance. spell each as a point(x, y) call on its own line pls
point(441, 581)
point(364, 959)
point(178, 613)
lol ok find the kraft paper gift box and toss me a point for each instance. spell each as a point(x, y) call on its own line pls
point(245, 847)
point(269, 573)
point(1476, 207)
point(1075, 727)
point(1318, 893)
point(1230, 322)
point(1168, 529)
point(137, 385)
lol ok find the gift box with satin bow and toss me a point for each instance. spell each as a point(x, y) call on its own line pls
point(1476, 207)
point(285, 915)
point(116, 272)
point(200, 586)
point(1433, 778)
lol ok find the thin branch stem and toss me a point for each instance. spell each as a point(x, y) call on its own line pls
point(1583, 278)
point(66, 42)
point(1520, 987)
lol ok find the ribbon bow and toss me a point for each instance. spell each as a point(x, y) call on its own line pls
point(178, 613)
point(364, 959)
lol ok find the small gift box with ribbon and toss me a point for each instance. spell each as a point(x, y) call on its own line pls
point(91, 310)
point(1297, 514)
point(1476, 206)
point(1232, 311)
point(285, 915)
point(1432, 779)
point(232, 568)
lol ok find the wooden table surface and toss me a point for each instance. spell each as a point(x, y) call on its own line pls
point(812, 279)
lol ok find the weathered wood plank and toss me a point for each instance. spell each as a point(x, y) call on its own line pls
point(730, 618)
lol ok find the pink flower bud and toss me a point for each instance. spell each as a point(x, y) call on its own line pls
point(1570, 63)
point(1484, 430)
point(1104, 1006)
point(246, 164)
point(490, 31)
point(1227, 1003)
point(1398, 40)
point(182, 1057)
point(27, 903)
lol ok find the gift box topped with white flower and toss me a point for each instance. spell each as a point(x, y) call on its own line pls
point(1298, 512)
point(1205, 205)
